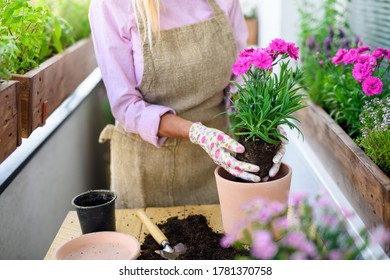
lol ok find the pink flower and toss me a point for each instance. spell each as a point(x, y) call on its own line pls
point(335, 255)
point(329, 220)
point(299, 241)
point(227, 240)
point(262, 59)
point(297, 198)
point(323, 202)
point(380, 235)
point(361, 71)
point(379, 53)
point(247, 53)
point(282, 223)
point(241, 66)
point(270, 52)
point(278, 45)
point(338, 58)
point(277, 207)
point(387, 54)
point(367, 58)
point(350, 56)
point(264, 247)
point(298, 256)
point(363, 49)
point(294, 239)
point(220, 137)
point(264, 215)
point(293, 51)
point(372, 85)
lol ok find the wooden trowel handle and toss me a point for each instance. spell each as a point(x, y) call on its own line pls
point(157, 234)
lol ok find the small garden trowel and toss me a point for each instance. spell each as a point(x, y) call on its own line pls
point(167, 252)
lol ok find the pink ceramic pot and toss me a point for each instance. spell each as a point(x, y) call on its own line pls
point(233, 194)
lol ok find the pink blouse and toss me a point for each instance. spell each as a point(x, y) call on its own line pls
point(119, 54)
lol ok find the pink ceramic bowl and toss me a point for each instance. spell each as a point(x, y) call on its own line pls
point(103, 245)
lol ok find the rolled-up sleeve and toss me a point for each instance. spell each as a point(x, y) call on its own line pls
point(111, 24)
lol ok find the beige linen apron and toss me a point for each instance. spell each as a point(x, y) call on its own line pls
point(188, 70)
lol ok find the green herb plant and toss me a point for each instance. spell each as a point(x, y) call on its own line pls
point(375, 139)
point(8, 55)
point(36, 32)
point(75, 13)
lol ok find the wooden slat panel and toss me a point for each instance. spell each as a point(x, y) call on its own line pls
point(10, 136)
point(361, 180)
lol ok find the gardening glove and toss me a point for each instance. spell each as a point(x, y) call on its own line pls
point(220, 147)
point(277, 160)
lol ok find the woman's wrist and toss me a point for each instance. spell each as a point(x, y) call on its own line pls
point(174, 126)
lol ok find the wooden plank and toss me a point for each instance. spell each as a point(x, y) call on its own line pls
point(127, 222)
point(45, 87)
point(10, 134)
point(69, 229)
point(364, 184)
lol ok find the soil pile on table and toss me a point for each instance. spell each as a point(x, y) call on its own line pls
point(201, 241)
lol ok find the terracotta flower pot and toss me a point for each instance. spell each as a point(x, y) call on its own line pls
point(234, 194)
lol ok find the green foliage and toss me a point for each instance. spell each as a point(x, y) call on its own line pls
point(321, 35)
point(75, 12)
point(8, 55)
point(265, 101)
point(376, 146)
point(375, 140)
point(36, 32)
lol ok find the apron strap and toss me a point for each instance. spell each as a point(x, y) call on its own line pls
point(215, 7)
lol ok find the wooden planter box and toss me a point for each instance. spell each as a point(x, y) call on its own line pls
point(365, 185)
point(10, 126)
point(44, 88)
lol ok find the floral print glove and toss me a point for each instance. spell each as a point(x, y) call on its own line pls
point(220, 147)
point(277, 160)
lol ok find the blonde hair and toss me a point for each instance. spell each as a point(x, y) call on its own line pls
point(149, 13)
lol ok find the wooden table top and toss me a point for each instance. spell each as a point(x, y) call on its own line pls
point(127, 222)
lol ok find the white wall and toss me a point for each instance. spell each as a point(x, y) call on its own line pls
point(277, 19)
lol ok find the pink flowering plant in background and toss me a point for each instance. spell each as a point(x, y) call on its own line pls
point(366, 67)
point(356, 76)
point(269, 94)
point(309, 229)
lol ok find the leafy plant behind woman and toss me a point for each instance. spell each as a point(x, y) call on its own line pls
point(34, 30)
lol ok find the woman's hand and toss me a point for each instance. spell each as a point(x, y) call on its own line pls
point(277, 160)
point(220, 147)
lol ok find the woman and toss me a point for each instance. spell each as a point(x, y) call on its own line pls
point(166, 66)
